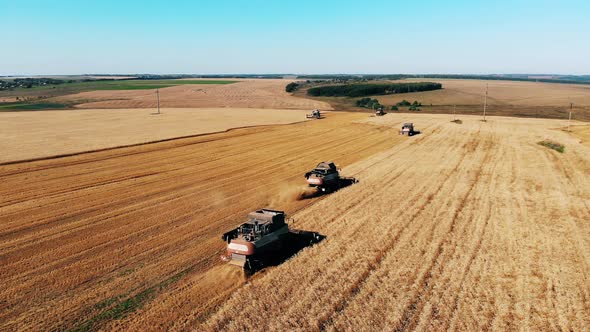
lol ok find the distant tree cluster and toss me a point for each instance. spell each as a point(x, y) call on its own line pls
point(360, 90)
point(569, 79)
point(415, 106)
point(368, 103)
point(291, 87)
point(28, 83)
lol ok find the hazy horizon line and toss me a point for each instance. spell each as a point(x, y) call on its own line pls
point(293, 74)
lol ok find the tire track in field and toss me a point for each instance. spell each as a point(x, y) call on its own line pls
point(409, 316)
point(230, 180)
point(158, 249)
point(375, 263)
point(385, 183)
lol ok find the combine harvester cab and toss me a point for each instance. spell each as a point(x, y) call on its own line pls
point(326, 177)
point(265, 238)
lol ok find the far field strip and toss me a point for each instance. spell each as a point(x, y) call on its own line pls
point(98, 85)
point(30, 135)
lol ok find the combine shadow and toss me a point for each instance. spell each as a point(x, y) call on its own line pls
point(297, 241)
point(344, 182)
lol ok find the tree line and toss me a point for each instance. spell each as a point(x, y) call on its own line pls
point(29, 82)
point(361, 90)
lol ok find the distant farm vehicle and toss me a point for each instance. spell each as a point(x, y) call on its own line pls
point(265, 239)
point(408, 129)
point(326, 177)
point(315, 114)
point(380, 111)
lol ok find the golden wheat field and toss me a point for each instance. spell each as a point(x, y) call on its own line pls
point(33, 134)
point(252, 93)
point(465, 226)
point(470, 226)
point(86, 236)
point(583, 133)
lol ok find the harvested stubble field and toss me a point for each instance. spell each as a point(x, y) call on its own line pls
point(87, 238)
point(465, 226)
point(582, 132)
point(29, 135)
point(501, 93)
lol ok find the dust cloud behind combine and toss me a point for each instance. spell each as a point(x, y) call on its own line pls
point(292, 192)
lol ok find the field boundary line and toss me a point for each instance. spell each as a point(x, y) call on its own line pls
point(72, 154)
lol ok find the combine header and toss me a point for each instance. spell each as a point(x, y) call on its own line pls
point(326, 177)
point(263, 237)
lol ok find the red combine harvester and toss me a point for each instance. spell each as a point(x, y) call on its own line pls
point(264, 237)
point(326, 177)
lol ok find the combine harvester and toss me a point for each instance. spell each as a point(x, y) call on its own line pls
point(315, 114)
point(408, 129)
point(265, 238)
point(380, 111)
point(326, 177)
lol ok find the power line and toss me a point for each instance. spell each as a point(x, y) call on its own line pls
point(158, 96)
point(570, 116)
point(485, 103)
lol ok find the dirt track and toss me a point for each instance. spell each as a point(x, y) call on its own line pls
point(472, 226)
point(80, 235)
point(464, 227)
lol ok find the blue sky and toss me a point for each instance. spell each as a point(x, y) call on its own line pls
point(464, 37)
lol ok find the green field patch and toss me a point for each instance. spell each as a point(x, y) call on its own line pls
point(552, 145)
point(120, 85)
point(144, 84)
point(31, 106)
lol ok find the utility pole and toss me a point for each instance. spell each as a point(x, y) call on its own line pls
point(454, 112)
point(570, 117)
point(158, 96)
point(485, 103)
